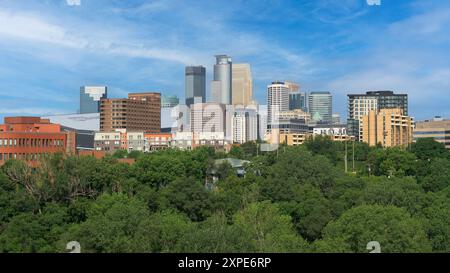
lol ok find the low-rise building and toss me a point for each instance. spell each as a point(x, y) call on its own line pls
point(109, 142)
point(330, 130)
point(191, 140)
point(31, 138)
point(437, 128)
point(155, 142)
point(295, 139)
point(135, 141)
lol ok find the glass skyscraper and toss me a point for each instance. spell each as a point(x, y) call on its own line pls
point(320, 106)
point(297, 100)
point(195, 84)
point(90, 97)
point(221, 87)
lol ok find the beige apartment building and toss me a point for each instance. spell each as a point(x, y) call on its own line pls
point(242, 84)
point(389, 127)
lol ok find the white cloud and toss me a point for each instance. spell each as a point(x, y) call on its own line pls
point(29, 27)
point(32, 28)
point(73, 2)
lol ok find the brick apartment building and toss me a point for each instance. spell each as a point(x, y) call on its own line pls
point(138, 112)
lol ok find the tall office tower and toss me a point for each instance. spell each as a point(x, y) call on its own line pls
point(293, 87)
point(169, 101)
point(389, 127)
point(297, 99)
point(336, 118)
point(320, 105)
point(215, 91)
point(207, 117)
point(90, 97)
point(221, 87)
point(140, 111)
point(195, 84)
point(277, 100)
point(262, 122)
point(245, 124)
point(360, 105)
point(242, 84)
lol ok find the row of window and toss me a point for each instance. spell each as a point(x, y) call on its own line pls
point(437, 138)
point(33, 142)
point(22, 156)
point(433, 133)
point(108, 142)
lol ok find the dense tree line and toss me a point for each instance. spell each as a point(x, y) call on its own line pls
point(298, 199)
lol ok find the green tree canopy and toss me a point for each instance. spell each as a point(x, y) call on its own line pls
point(392, 227)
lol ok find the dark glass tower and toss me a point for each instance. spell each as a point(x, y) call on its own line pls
point(195, 84)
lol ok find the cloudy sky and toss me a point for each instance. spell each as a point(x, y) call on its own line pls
point(49, 48)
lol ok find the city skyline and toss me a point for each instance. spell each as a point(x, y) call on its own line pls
point(345, 47)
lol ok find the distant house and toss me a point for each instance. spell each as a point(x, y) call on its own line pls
point(236, 164)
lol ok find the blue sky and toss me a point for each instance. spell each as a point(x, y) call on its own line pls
point(49, 48)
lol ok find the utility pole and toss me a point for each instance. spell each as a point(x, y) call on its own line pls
point(353, 167)
point(345, 157)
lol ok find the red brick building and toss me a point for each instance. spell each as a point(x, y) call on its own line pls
point(30, 138)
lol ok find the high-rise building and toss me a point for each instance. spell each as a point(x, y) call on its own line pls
point(139, 112)
point(90, 97)
point(293, 87)
point(221, 87)
point(320, 106)
point(297, 99)
point(195, 84)
point(360, 105)
point(277, 100)
point(245, 124)
point(169, 101)
point(388, 127)
point(208, 117)
point(242, 84)
point(262, 121)
point(336, 118)
point(437, 128)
